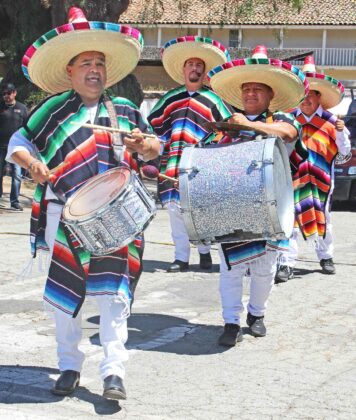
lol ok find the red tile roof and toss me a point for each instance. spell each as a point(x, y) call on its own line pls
point(237, 12)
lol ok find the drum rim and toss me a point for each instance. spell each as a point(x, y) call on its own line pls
point(268, 173)
point(70, 220)
point(184, 195)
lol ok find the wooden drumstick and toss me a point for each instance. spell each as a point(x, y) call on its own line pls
point(111, 129)
point(151, 172)
point(169, 178)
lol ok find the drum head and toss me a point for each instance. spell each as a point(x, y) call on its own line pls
point(96, 194)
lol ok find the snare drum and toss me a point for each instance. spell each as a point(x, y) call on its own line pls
point(109, 211)
point(237, 192)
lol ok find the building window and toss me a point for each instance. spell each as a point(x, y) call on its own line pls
point(234, 38)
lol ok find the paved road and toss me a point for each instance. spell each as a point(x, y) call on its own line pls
point(305, 368)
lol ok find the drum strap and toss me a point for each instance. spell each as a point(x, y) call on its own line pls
point(117, 142)
point(269, 118)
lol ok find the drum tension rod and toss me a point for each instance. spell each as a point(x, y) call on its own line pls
point(259, 163)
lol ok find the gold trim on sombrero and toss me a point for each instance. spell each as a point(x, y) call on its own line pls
point(46, 59)
point(287, 82)
point(177, 51)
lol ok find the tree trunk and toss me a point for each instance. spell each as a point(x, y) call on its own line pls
point(129, 88)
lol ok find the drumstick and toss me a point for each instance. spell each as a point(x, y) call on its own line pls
point(167, 177)
point(53, 170)
point(150, 171)
point(112, 129)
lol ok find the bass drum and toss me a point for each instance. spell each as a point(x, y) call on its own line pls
point(237, 192)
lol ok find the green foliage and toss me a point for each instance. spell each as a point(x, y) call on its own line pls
point(21, 23)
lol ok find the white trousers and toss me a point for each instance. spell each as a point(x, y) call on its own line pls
point(262, 272)
point(180, 235)
point(112, 330)
point(324, 247)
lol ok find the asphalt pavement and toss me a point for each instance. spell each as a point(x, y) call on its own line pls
point(305, 368)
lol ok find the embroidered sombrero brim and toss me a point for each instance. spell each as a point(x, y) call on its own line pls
point(287, 82)
point(177, 51)
point(45, 61)
point(331, 90)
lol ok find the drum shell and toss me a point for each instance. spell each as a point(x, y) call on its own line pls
point(118, 222)
point(237, 192)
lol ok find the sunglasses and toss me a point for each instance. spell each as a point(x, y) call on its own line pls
point(8, 92)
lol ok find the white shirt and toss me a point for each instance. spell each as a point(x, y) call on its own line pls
point(18, 142)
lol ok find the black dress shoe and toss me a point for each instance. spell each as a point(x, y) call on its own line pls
point(257, 327)
point(284, 273)
point(206, 262)
point(66, 383)
point(232, 334)
point(114, 388)
point(178, 266)
point(327, 266)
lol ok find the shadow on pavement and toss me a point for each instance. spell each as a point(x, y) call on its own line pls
point(32, 384)
point(168, 334)
point(151, 266)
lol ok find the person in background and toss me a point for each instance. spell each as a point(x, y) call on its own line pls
point(325, 136)
point(13, 114)
point(178, 119)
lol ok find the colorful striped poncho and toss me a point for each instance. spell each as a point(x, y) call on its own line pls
point(242, 252)
point(73, 272)
point(313, 181)
point(178, 119)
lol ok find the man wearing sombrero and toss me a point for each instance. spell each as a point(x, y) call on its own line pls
point(325, 136)
point(261, 87)
point(75, 63)
point(179, 118)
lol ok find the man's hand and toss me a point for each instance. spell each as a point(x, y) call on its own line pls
point(339, 124)
point(238, 118)
point(137, 143)
point(39, 172)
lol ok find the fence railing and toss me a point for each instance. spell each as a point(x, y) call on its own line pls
point(343, 57)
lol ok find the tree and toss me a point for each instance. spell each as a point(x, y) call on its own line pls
point(23, 21)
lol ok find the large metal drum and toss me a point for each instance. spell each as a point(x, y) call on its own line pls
point(237, 192)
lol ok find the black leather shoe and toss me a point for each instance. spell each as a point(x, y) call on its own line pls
point(206, 262)
point(114, 388)
point(328, 266)
point(284, 273)
point(16, 206)
point(178, 266)
point(257, 327)
point(66, 383)
point(232, 334)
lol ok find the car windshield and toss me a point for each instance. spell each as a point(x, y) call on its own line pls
point(350, 121)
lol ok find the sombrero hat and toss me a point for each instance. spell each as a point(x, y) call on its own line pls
point(331, 90)
point(177, 51)
point(44, 62)
point(288, 83)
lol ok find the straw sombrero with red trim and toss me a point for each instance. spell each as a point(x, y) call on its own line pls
point(331, 90)
point(288, 83)
point(177, 51)
point(45, 61)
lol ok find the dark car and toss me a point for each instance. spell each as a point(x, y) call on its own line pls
point(345, 173)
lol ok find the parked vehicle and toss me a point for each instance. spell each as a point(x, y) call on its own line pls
point(345, 173)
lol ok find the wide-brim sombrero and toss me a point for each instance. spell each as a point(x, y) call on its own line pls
point(177, 51)
point(331, 90)
point(288, 83)
point(44, 62)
